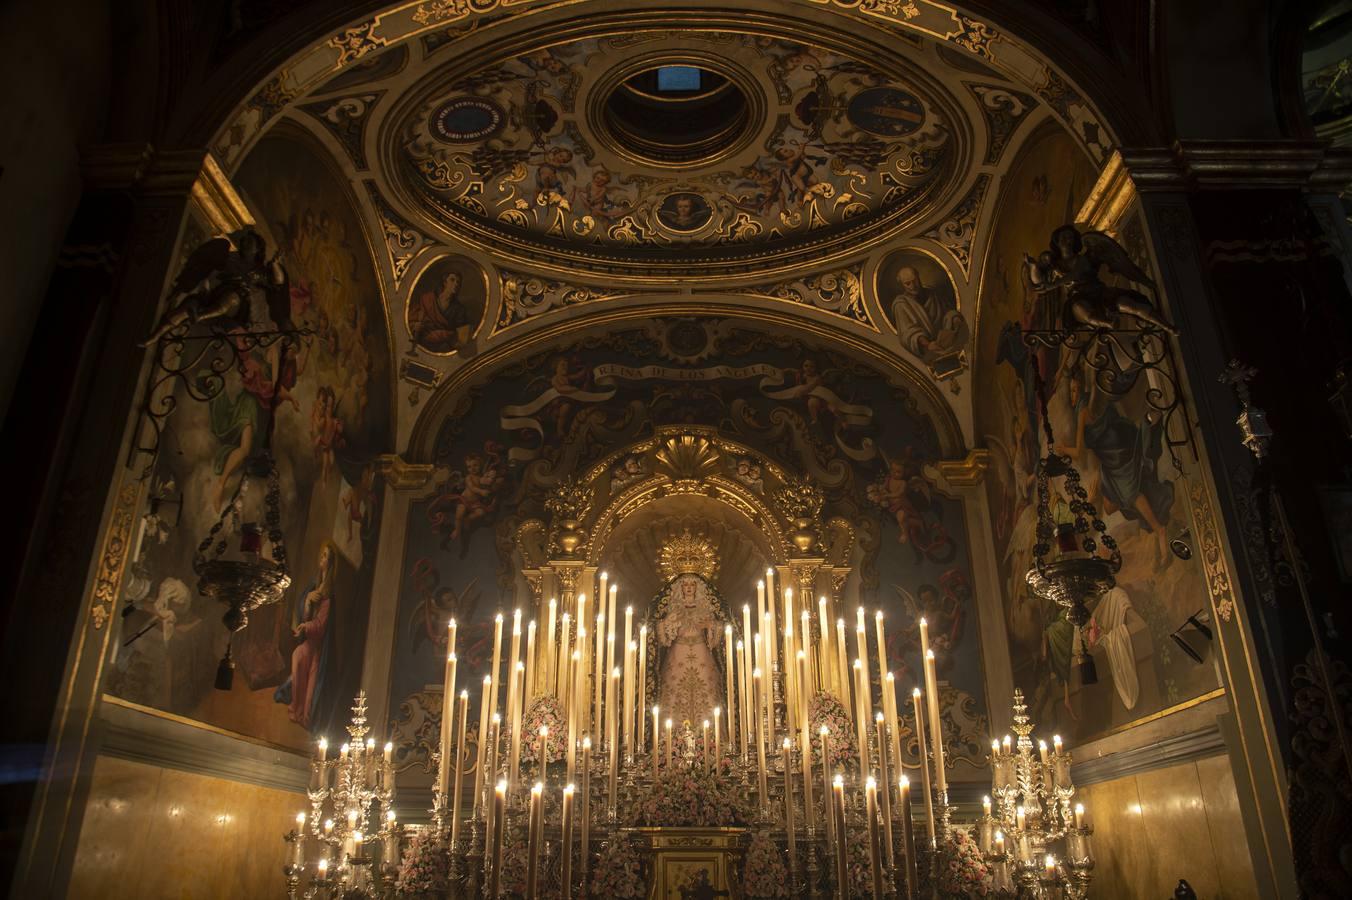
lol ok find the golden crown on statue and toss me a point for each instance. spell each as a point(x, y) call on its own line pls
point(688, 554)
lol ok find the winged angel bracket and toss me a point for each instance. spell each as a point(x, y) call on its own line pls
point(1074, 261)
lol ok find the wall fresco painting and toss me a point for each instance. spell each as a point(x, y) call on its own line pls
point(1118, 447)
point(298, 662)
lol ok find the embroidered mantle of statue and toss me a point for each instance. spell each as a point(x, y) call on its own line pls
point(686, 634)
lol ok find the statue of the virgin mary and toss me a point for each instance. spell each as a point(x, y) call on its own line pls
point(686, 629)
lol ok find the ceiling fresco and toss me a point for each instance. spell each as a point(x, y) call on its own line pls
point(802, 142)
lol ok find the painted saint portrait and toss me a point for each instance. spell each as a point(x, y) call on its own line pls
point(446, 304)
point(684, 212)
point(921, 302)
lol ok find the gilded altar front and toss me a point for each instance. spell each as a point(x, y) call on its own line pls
point(693, 863)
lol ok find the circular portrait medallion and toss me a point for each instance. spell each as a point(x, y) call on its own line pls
point(684, 212)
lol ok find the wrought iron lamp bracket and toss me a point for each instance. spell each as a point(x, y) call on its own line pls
point(197, 363)
point(1118, 359)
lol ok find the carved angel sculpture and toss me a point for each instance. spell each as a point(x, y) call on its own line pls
point(1074, 261)
point(219, 279)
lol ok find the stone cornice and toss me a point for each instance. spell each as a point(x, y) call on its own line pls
point(1169, 751)
point(1209, 165)
point(157, 739)
point(402, 475)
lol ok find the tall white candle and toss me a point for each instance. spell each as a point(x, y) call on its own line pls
point(614, 623)
point(563, 685)
point(655, 755)
point(743, 708)
point(882, 653)
point(518, 679)
point(825, 666)
point(936, 727)
point(480, 757)
point(458, 766)
point(760, 604)
point(729, 664)
point(843, 668)
point(863, 713)
point(531, 688)
point(924, 762)
point(447, 727)
point(494, 668)
point(547, 663)
point(641, 701)
point(598, 670)
point(515, 654)
point(628, 680)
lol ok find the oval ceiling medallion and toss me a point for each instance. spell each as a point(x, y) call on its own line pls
point(746, 148)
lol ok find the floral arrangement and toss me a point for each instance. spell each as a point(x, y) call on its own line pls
point(682, 796)
point(426, 867)
point(825, 709)
point(962, 873)
point(544, 711)
point(617, 871)
point(515, 859)
point(763, 871)
point(859, 862)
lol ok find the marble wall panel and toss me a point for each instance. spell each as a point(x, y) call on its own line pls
point(152, 832)
point(1153, 828)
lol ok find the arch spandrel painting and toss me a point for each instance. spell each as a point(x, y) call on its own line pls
point(298, 662)
point(1119, 449)
point(607, 412)
point(752, 140)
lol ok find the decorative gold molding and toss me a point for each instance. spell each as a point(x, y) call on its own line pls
point(1109, 199)
point(863, 348)
point(113, 557)
point(1218, 581)
point(217, 199)
point(1210, 165)
point(702, 449)
point(404, 476)
point(966, 472)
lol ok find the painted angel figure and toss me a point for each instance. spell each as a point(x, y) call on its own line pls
point(218, 282)
point(1074, 261)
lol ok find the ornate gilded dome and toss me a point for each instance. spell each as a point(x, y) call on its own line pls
point(730, 147)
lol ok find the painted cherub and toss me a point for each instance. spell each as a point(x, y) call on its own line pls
point(597, 200)
point(326, 431)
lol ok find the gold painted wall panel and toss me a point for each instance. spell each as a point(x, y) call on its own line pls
point(1177, 822)
point(151, 832)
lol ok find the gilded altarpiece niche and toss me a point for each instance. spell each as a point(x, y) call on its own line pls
point(1119, 446)
point(601, 412)
point(298, 662)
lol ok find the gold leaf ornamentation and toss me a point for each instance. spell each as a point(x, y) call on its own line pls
point(688, 554)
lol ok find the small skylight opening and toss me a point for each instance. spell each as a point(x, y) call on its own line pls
point(678, 78)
